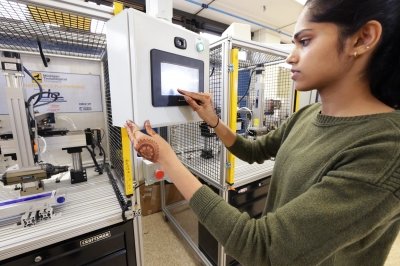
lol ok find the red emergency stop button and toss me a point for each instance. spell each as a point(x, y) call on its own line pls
point(159, 174)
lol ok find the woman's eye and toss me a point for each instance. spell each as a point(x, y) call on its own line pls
point(304, 42)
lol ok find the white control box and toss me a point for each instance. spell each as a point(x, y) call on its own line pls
point(148, 59)
point(152, 173)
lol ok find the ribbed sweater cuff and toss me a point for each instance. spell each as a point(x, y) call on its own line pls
point(203, 201)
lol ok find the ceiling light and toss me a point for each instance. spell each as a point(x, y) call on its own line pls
point(97, 26)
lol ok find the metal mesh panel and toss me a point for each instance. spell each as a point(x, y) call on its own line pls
point(59, 32)
point(277, 95)
point(114, 133)
point(264, 92)
point(197, 145)
point(251, 58)
point(193, 142)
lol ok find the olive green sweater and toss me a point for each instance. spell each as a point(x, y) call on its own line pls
point(334, 197)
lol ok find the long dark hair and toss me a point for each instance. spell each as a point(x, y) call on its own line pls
point(383, 71)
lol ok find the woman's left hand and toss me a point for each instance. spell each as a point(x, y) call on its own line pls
point(152, 146)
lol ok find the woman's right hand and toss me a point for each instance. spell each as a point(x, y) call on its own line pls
point(202, 104)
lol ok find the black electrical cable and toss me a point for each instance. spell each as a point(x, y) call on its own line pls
point(102, 151)
point(121, 199)
point(104, 157)
point(212, 71)
point(41, 52)
point(40, 86)
point(55, 99)
point(136, 187)
point(40, 93)
point(98, 168)
point(248, 87)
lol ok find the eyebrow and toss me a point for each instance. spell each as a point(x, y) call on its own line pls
point(296, 36)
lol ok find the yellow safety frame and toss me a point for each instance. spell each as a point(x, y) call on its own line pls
point(233, 92)
point(118, 7)
point(125, 141)
point(127, 162)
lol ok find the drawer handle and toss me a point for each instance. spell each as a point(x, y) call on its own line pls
point(38, 259)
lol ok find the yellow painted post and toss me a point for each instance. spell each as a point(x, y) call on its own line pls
point(127, 162)
point(125, 142)
point(233, 92)
point(118, 7)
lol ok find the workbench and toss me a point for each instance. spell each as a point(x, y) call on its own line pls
point(89, 227)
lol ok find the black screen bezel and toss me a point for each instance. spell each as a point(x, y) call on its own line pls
point(156, 58)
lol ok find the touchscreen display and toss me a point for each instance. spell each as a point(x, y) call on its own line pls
point(170, 72)
point(178, 77)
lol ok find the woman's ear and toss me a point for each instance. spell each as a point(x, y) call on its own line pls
point(366, 38)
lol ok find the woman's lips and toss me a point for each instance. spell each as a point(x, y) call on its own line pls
point(295, 74)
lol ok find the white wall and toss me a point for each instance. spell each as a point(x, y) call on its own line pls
point(65, 120)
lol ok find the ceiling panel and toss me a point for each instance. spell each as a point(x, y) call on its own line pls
point(279, 15)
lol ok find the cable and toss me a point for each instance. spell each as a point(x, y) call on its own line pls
point(98, 144)
point(249, 119)
point(125, 205)
point(41, 52)
point(69, 120)
point(39, 94)
point(248, 87)
point(212, 71)
point(40, 86)
point(98, 168)
point(136, 187)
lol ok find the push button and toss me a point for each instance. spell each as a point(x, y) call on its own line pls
point(159, 174)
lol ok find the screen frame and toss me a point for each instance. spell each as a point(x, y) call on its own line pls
point(156, 58)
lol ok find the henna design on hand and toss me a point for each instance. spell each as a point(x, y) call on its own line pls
point(148, 149)
point(149, 130)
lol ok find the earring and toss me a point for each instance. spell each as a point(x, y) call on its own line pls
point(355, 54)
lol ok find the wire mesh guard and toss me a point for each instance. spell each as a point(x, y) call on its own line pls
point(196, 144)
point(114, 133)
point(26, 27)
point(264, 102)
point(264, 92)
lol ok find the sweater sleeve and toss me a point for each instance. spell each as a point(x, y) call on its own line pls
point(267, 146)
point(261, 149)
point(332, 214)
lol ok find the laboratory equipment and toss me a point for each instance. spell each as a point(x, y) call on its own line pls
point(147, 69)
point(33, 208)
point(97, 223)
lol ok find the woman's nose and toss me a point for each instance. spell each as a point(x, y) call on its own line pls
point(291, 59)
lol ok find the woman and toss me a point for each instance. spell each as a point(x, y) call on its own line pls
point(334, 197)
